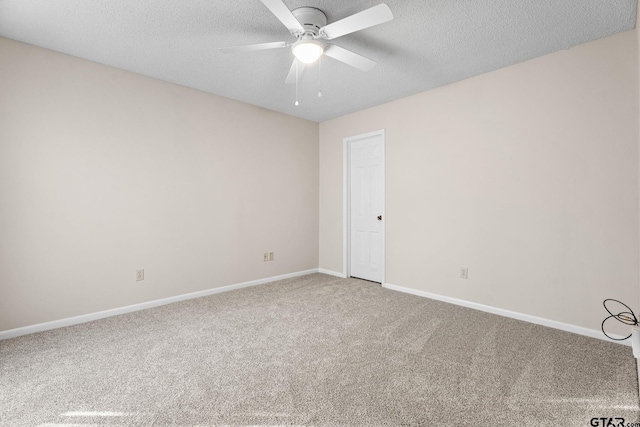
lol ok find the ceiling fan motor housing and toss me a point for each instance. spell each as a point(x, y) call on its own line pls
point(312, 19)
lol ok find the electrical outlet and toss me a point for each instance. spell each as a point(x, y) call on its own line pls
point(265, 257)
point(464, 272)
point(139, 274)
point(270, 256)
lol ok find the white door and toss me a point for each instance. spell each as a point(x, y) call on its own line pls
point(366, 207)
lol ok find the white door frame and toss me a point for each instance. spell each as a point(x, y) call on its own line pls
point(346, 202)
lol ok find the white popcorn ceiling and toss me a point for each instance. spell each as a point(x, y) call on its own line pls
point(429, 43)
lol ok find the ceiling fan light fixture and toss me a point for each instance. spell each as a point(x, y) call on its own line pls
point(307, 51)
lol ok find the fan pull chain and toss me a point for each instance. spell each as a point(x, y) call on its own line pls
point(320, 76)
point(296, 103)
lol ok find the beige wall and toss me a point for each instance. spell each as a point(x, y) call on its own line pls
point(527, 175)
point(103, 172)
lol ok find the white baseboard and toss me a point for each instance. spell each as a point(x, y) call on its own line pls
point(332, 273)
point(512, 314)
point(40, 327)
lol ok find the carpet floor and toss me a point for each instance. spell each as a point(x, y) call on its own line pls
point(313, 351)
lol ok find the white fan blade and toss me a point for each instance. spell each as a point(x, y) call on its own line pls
point(359, 21)
point(291, 77)
point(282, 12)
point(252, 47)
point(349, 58)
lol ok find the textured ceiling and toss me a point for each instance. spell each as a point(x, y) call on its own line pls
point(428, 44)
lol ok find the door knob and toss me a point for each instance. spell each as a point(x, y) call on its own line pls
point(379, 217)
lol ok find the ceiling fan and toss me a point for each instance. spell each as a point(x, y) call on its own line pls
point(309, 26)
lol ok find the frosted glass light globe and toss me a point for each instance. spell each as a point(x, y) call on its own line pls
point(307, 51)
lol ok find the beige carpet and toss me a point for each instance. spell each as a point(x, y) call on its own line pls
point(314, 350)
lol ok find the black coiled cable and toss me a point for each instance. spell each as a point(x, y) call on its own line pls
point(626, 317)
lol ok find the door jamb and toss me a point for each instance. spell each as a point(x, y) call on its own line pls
point(346, 203)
